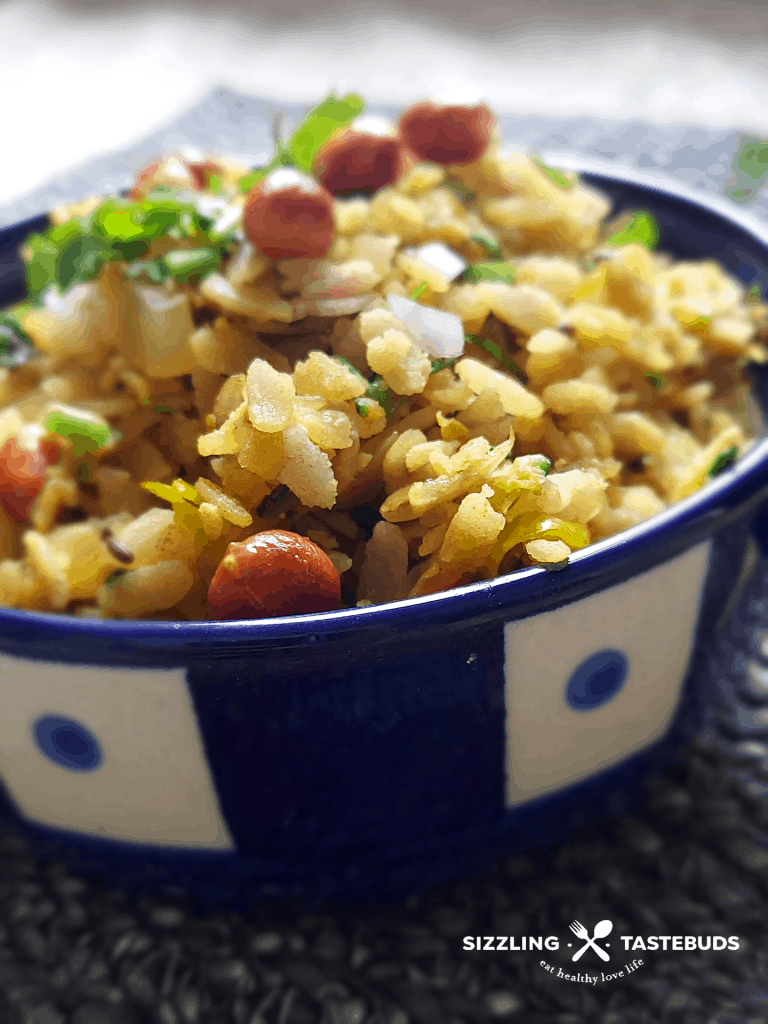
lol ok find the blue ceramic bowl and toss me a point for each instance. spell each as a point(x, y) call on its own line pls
point(368, 752)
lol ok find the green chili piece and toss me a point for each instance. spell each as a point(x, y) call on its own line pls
point(642, 230)
point(86, 436)
point(723, 461)
point(554, 174)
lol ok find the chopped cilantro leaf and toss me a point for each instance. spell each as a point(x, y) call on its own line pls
point(642, 230)
point(489, 270)
point(441, 364)
point(361, 409)
point(546, 465)
point(491, 247)
point(148, 270)
point(319, 124)
point(85, 435)
point(464, 192)
point(64, 255)
point(754, 292)
point(80, 259)
point(381, 393)
point(723, 461)
point(246, 183)
point(40, 256)
point(15, 347)
point(752, 158)
point(129, 227)
point(191, 264)
point(349, 366)
point(654, 378)
point(554, 174)
point(495, 350)
point(118, 229)
point(300, 149)
point(418, 291)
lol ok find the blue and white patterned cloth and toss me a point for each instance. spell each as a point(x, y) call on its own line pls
point(226, 122)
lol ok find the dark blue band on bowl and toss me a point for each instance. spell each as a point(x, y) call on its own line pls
point(11, 267)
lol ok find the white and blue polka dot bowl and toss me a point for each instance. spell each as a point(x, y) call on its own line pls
point(365, 753)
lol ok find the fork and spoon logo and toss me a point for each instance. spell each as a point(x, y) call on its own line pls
point(602, 928)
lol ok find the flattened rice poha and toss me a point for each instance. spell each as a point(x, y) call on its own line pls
point(395, 360)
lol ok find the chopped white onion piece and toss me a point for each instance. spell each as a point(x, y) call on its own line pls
point(210, 206)
point(191, 154)
point(438, 333)
point(226, 221)
point(289, 177)
point(373, 125)
point(330, 307)
point(444, 260)
point(175, 169)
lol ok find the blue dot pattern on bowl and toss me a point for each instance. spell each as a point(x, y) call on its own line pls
point(68, 743)
point(597, 680)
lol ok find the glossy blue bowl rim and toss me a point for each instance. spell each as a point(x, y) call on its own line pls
point(604, 563)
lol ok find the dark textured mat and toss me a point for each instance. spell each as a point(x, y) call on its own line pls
point(692, 862)
point(688, 864)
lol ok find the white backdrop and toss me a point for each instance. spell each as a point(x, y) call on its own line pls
point(85, 78)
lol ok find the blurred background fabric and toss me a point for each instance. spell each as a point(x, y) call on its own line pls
point(86, 78)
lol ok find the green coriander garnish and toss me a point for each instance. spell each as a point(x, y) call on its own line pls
point(495, 350)
point(642, 230)
point(152, 271)
point(546, 465)
point(442, 364)
point(754, 293)
point(464, 192)
point(84, 470)
point(316, 128)
point(491, 247)
point(723, 461)
point(379, 392)
point(554, 174)
point(361, 408)
point(418, 291)
point(489, 270)
point(85, 435)
point(349, 366)
point(187, 265)
point(122, 230)
point(15, 346)
point(654, 378)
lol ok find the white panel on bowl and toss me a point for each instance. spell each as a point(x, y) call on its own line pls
point(650, 619)
point(153, 784)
